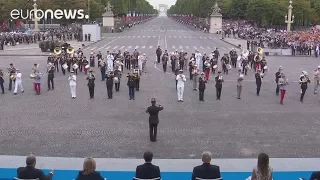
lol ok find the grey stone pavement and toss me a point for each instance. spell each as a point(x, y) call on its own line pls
point(53, 124)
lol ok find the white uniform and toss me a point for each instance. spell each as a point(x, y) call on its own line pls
point(198, 59)
point(180, 86)
point(73, 83)
point(18, 83)
point(110, 59)
point(140, 58)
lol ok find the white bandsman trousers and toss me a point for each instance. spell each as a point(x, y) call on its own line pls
point(73, 86)
point(110, 65)
point(180, 86)
point(18, 83)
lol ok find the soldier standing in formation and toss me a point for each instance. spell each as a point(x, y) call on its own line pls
point(153, 111)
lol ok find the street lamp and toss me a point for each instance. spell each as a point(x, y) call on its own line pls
point(289, 18)
point(35, 19)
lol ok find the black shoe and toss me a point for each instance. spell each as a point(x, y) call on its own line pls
point(2, 93)
point(277, 94)
point(239, 98)
point(14, 93)
point(108, 97)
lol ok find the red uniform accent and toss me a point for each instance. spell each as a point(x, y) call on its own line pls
point(283, 93)
point(207, 74)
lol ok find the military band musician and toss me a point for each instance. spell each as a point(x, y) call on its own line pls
point(1, 81)
point(219, 80)
point(91, 78)
point(131, 85)
point(202, 86)
point(109, 83)
point(304, 80)
point(259, 76)
point(12, 73)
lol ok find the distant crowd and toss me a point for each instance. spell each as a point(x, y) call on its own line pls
point(16, 37)
point(301, 41)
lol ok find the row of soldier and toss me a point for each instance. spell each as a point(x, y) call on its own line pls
point(111, 68)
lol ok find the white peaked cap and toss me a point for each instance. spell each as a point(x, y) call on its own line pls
point(319, 67)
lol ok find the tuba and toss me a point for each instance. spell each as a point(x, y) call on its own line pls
point(57, 51)
point(260, 50)
point(70, 50)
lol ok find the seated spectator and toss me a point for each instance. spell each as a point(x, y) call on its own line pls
point(263, 171)
point(148, 170)
point(30, 172)
point(89, 171)
point(315, 175)
point(206, 170)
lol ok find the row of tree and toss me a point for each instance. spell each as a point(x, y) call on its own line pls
point(263, 12)
point(120, 7)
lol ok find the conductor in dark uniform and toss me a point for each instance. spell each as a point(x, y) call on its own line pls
point(91, 78)
point(153, 110)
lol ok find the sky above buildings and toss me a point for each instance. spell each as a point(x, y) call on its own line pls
point(155, 3)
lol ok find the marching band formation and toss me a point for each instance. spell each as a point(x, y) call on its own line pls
point(111, 68)
point(113, 65)
point(246, 61)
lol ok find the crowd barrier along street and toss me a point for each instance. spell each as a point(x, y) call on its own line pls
point(172, 169)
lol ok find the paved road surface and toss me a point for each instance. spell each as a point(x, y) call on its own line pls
point(54, 125)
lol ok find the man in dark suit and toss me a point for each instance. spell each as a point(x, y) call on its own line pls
point(148, 170)
point(206, 170)
point(153, 110)
point(30, 172)
point(315, 175)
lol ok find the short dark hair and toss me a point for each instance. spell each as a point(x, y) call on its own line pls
point(147, 156)
point(31, 160)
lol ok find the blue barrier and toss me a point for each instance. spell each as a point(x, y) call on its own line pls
point(127, 175)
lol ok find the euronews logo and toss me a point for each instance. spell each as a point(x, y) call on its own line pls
point(49, 14)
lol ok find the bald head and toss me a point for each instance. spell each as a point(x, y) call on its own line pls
point(206, 157)
point(31, 160)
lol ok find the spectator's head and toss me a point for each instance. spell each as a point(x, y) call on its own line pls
point(31, 160)
point(89, 166)
point(206, 157)
point(263, 164)
point(147, 156)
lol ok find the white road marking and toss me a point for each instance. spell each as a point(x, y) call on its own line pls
point(93, 48)
point(208, 47)
point(194, 47)
point(115, 47)
point(154, 36)
point(122, 47)
point(108, 47)
point(143, 36)
point(184, 36)
point(138, 36)
point(187, 47)
point(175, 36)
point(136, 47)
point(180, 47)
point(201, 47)
point(143, 47)
point(150, 47)
point(129, 47)
point(173, 47)
point(165, 42)
point(148, 36)
point(133, 36)
point(128, 37)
